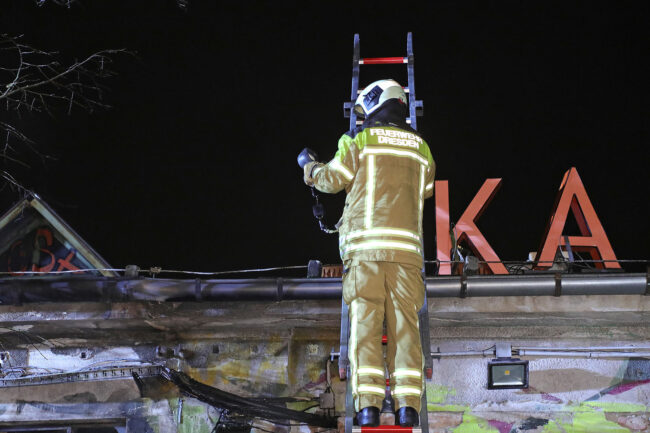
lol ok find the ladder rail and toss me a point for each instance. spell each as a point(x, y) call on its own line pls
point(415, 110)
point(415, 106)
point(356, 54)
point(411, 80)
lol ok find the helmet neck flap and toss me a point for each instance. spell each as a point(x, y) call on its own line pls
point(392, 113)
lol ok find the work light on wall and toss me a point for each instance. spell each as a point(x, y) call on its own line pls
point(506, 372)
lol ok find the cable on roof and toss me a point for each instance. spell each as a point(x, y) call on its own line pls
point(154, 270)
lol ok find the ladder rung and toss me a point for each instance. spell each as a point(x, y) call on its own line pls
point(383, 60)
point(386, 429)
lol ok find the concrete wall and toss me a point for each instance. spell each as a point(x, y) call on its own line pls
point(280, 349)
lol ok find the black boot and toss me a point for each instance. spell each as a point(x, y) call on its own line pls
point(407, 417)
point(368, 417)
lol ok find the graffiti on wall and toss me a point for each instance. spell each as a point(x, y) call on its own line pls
point(35, 239)
point(40, 251)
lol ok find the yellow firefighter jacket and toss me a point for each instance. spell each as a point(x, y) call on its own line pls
point(387, 172)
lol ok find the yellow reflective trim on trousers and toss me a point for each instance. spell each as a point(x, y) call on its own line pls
point(390, 245)
point(352, 345)
point(429, 187)
point(395, 152)
point(370, 389)
point(338, 166)
point(382, 231)
point(370, 191)
point(371, 371)
point(407, 372)
point(406, 390)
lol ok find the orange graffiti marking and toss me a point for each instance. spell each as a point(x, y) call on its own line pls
point(66, 264)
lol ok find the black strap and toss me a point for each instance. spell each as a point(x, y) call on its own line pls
point(319, 213)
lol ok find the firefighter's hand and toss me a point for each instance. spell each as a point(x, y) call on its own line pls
point(308, 169)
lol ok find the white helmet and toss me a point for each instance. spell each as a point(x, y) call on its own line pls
point(374, 96)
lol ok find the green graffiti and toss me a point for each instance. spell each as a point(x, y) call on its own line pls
point(438, 393)
point(586, 420)
point(432, 407)
point(194, 417)
point(616, 407)
point(474, 424)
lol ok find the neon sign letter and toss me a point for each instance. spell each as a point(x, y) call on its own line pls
point(573, 196)
point(466, 228)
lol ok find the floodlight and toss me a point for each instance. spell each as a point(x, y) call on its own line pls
point(507, 373)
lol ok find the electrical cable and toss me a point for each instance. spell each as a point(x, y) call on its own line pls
point(156, 270)
point(240, 271)
point(241, 405)
point(73, 271)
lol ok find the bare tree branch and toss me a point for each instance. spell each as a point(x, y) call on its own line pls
point(38, 78)
point(66, 3)
point(182, 4)
point(13, 183)
point(34, 80)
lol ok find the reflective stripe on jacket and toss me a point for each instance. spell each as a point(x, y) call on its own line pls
point(387, 172)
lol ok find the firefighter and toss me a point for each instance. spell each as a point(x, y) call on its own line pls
point(387, 171)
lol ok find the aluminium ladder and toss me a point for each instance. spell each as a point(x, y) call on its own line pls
point(415, 109)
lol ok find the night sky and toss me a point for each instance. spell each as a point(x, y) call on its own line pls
point(194, 166)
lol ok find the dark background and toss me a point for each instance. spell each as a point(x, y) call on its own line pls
point(194, 167)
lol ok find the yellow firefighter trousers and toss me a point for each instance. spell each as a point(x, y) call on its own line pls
point(375, 291)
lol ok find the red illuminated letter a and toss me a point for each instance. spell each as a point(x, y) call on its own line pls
point(573, 196)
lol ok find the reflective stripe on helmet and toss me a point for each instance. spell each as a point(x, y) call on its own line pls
point(375, 94)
